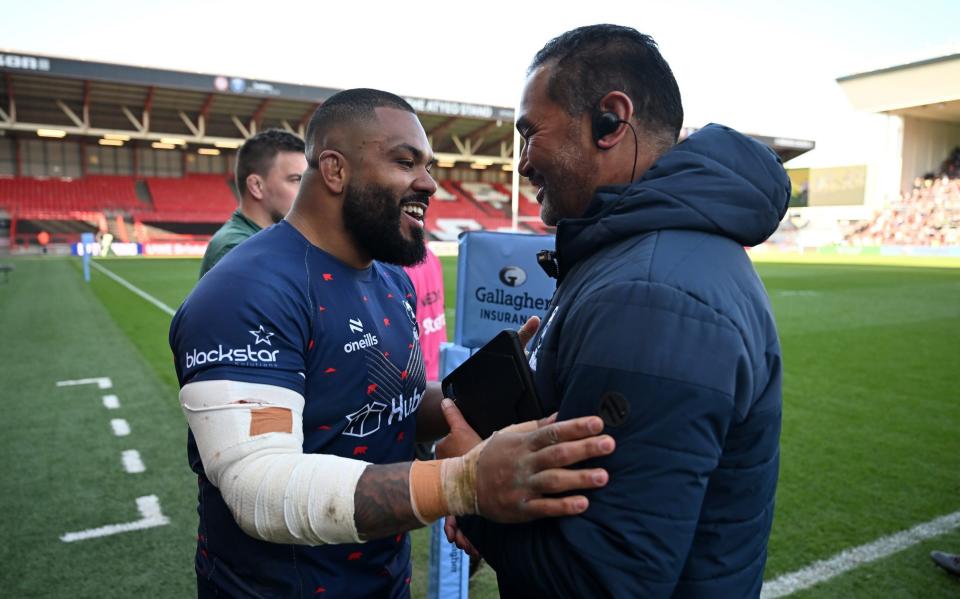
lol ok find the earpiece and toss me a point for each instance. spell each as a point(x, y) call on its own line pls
point(604, 123)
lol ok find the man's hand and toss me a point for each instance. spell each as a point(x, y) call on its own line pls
point(430, 417)
point(456, 536)
point(510, 477)
point(462, 438)
point(528, 330)
point(518, 472)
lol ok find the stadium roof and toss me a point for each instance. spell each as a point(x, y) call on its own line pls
point(927, 89)
point(93, 99)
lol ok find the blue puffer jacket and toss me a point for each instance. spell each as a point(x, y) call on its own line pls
point(661, 323)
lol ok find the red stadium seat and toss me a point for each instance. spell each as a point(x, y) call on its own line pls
point(194, 198)
point(27, 196)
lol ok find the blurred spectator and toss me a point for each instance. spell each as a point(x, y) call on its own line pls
point(427, 279)
point(951, 166)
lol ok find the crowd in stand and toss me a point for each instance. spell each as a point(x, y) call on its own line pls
point(929, 215)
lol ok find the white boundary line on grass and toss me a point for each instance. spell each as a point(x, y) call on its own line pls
point(102, 382)
point(163, 307)
point(120, 426)
point(150, 516)
point(149, 506)
point(132, 462)
point(852, 558)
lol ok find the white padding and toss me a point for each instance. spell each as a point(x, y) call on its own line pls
point(275, 491)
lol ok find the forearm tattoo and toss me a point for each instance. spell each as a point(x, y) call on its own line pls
point(381, 502)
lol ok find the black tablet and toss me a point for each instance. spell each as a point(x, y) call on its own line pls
point(494, 387)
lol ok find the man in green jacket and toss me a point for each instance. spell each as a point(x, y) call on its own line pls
point(269, 167)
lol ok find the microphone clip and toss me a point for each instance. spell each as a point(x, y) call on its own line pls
point(547, 259)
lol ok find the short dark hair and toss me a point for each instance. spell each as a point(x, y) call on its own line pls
point(256, 155)
point(346, 106)
point(594, 60)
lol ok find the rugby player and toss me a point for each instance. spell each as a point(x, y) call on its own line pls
point(303, 385)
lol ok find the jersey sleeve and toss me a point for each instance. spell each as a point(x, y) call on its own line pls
point(243, 327)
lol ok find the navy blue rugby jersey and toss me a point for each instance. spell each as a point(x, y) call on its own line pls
point(277, 310)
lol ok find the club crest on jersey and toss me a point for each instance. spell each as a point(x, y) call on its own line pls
point(413, 319)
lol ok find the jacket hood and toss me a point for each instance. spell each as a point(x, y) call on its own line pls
point(717, 181)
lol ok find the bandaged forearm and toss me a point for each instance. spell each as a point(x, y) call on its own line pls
point(250, 439)
point(444, 487)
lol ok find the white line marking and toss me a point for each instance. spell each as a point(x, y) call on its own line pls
point(855, 557)
point(132, 462)
point(120, 427)
point(150, 517)
point(111, 402)
point(101, 381)
point(134, 288)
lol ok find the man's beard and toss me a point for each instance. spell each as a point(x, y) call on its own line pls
point(569, 191)
point(276, 216)
point(371, 215)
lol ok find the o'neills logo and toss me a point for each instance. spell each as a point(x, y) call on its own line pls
point(236, 354)
point(368, 340)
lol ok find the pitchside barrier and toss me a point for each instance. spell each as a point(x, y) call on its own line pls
point(499, 286)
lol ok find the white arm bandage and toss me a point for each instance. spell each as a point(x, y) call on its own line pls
point(254, 455)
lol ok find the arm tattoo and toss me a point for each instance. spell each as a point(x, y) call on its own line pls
point(381, 502)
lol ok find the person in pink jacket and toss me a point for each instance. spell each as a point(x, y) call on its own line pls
point(427, 280)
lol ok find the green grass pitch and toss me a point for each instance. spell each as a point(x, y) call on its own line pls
point(871, 437)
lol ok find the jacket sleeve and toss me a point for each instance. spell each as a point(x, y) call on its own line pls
point(677, 365)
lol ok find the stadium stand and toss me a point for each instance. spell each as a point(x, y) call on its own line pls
point(529, 209)
point(30, 197)
point(488, 194)
point(459, 206)
point(142, 153)
point(454, 209)
point(209, 198)
point(194, 198)
point(928, 216)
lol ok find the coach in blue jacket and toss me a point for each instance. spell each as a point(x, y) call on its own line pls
point(660, 324)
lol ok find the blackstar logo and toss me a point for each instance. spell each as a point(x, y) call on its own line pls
point(231, 354)
point(249, 353)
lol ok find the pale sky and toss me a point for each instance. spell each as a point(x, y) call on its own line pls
point(764, 67)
